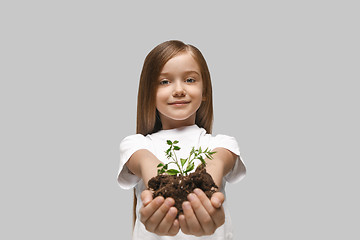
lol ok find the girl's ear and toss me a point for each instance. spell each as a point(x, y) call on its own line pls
point(203, 98)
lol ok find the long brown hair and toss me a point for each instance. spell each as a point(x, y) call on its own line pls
point(148, 120)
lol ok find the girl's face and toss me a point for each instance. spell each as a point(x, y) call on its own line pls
point(179, 93)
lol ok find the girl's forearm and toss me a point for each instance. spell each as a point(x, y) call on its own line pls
point(143, 164)
point(221, 164)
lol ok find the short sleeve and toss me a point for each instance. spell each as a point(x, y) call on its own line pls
point(128, 147)
point(239, 170)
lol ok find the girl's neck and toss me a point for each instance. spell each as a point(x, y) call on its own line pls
point(173, 126)
point(168, 123)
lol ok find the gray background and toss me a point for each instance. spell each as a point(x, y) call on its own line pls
point(284, 76)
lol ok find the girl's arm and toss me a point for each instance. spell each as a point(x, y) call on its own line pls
point(143, 164)
point(201, 215)
point(158, 215)
point(221, 164)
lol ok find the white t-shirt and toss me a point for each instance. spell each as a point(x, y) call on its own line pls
point(188, 137)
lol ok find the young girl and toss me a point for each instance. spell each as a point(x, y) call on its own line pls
point(175, 103)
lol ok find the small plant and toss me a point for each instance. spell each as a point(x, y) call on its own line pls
point(176, 179)
point(185, 165)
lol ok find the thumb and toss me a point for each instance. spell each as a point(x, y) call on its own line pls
point(146, 197)
point(217, 199)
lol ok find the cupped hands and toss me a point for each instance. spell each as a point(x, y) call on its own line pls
point(201, 215)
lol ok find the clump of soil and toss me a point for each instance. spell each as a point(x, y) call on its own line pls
point(178, 187)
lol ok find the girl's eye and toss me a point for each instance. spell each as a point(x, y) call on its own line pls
point(164, 82)
point(190, 80)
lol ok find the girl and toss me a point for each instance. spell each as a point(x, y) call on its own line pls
point(175, 103)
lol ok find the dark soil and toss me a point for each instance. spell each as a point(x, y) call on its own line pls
point(178, 187)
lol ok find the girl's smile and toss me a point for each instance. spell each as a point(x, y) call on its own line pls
point(179, 103)
point(179, 93)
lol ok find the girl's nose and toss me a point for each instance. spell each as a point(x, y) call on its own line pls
point(179, 89)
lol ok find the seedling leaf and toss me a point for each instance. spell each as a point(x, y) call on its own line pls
point(190, 167)
point(202, 160)
point(172, 171)
point(183, 161)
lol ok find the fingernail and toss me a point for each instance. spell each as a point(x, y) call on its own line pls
point(169, 202)
point(159, 200)
point(197, 191)
point(191, 197)
point(173, 211)
point(186, 205)
point(176, 223)
point(148, 198)
point(217, 202)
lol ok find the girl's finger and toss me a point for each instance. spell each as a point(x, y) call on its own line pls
point(217, 214)
point(146, 197)
point(202, 215)
point(205, 201)
point(183, 224)
point(174, 228)
point(147, 211)
point(155, 219)
point(217, 199)
point(167, 222)
point(219, 217)
point(192, 222)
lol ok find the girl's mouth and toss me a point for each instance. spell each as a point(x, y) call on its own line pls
point(179, 103)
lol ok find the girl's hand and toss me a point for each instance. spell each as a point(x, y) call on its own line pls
point(202, 216)
point(158, 215)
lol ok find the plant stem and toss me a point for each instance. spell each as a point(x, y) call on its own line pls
point(176, 161)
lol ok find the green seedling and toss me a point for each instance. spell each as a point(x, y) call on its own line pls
point(185, 165)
